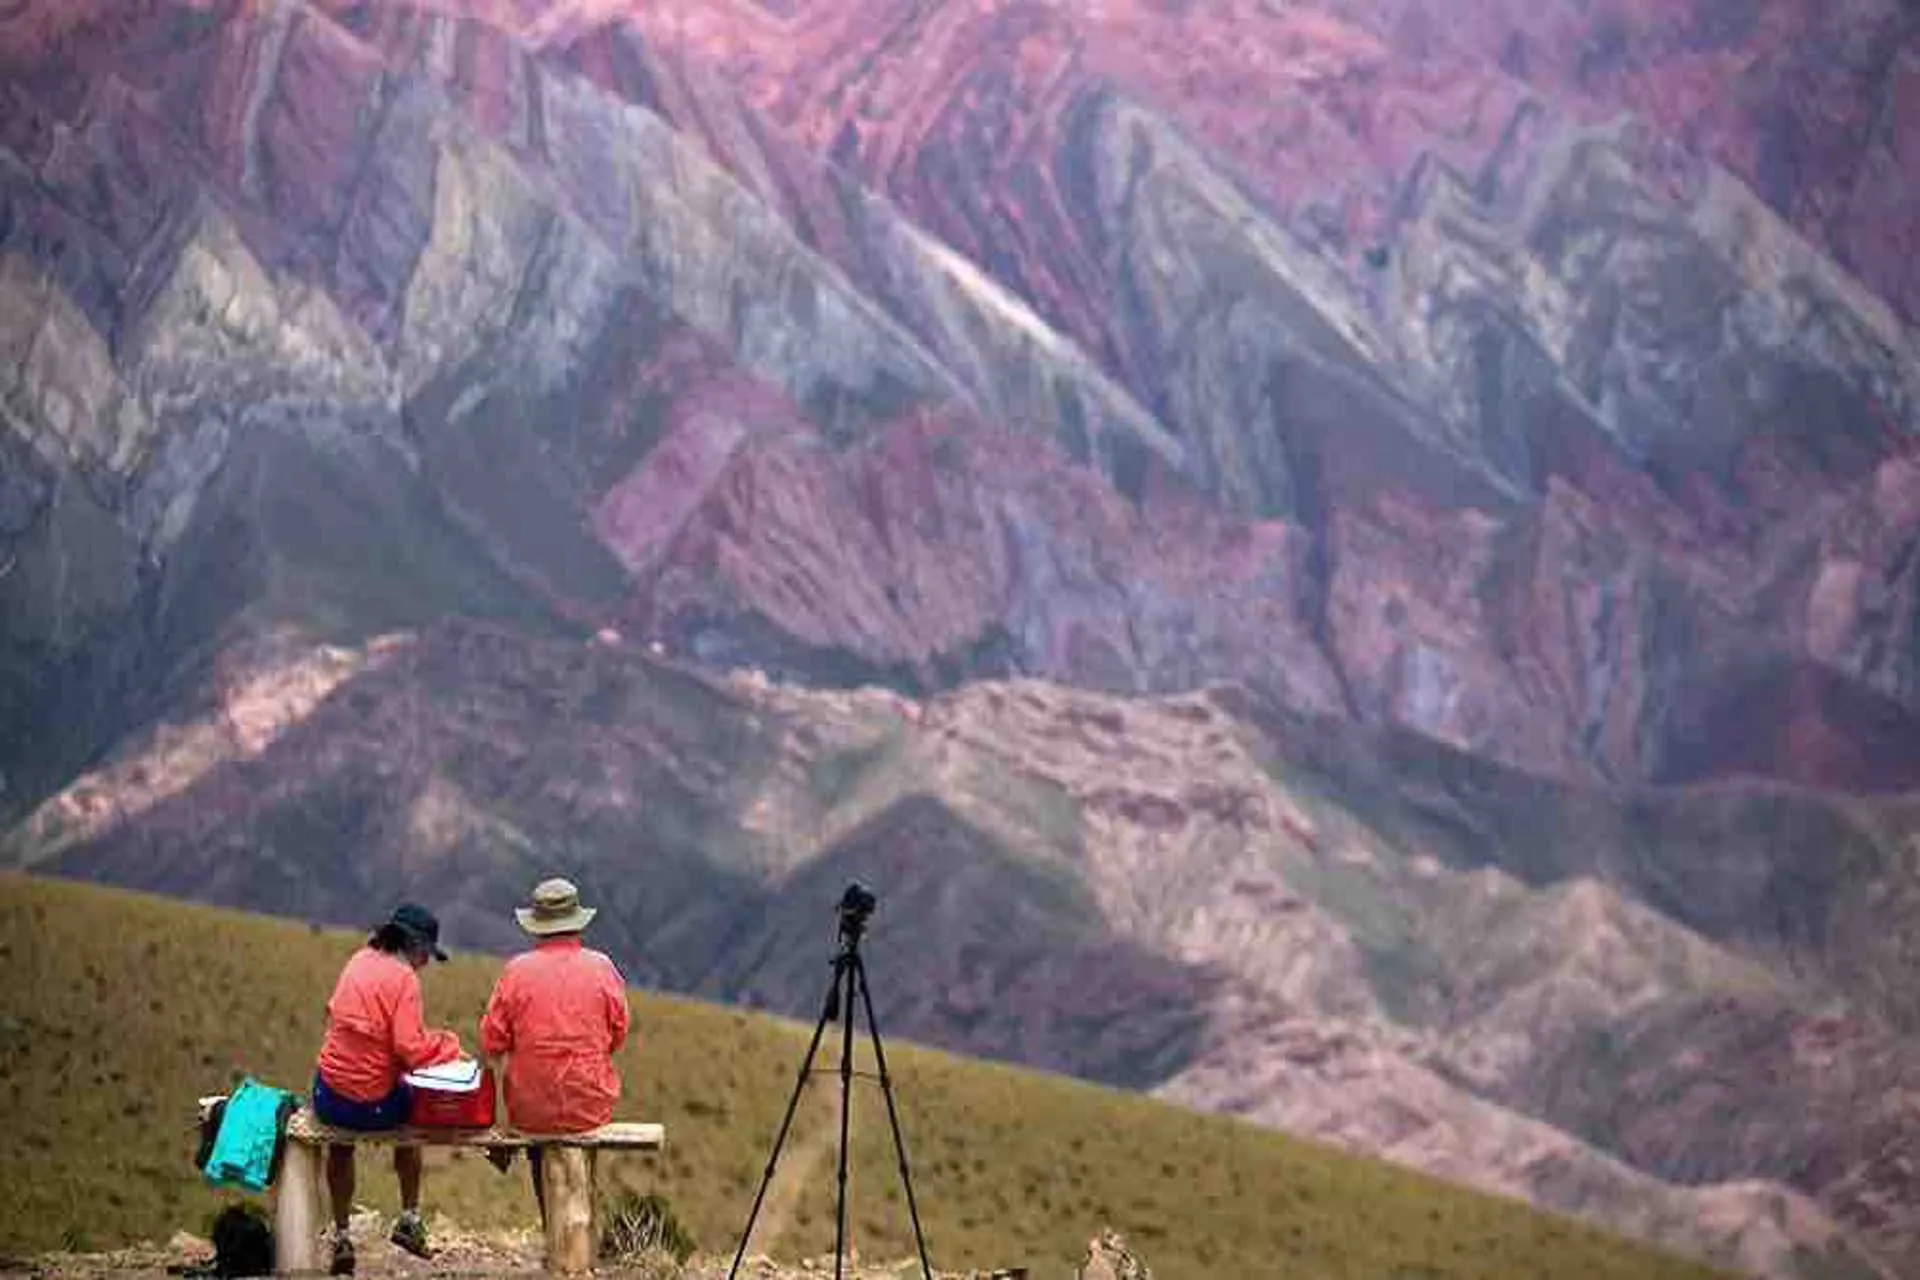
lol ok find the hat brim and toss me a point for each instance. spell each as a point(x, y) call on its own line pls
point(421, 942)
point(540, 927)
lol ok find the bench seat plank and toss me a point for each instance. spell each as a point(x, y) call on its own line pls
point(621, 1135)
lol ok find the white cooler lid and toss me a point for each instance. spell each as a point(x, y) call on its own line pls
point(462, 1075)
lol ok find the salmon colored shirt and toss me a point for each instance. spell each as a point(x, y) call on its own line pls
point(559, 1012)
point(376, 1032)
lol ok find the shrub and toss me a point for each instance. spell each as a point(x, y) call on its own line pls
point(638, 1225)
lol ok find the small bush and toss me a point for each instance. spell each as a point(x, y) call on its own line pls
point(637, 1225)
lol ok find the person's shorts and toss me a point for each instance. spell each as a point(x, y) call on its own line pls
point(389, 1112)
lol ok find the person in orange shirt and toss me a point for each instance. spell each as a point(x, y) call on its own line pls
point(376, 1033)
point(557, 1015)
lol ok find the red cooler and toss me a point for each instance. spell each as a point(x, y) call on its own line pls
point(453, 1095)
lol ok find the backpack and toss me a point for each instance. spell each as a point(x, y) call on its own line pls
point(242, 1242)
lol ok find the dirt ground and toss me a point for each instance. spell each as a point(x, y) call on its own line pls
point(457, 1252)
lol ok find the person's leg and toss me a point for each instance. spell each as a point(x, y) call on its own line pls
point(408, 1166)
point(539, 1188)
point(340, 1183)
point(340, 1189)
point(409, 1231)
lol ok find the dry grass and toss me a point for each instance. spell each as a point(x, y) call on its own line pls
point(118, 1010)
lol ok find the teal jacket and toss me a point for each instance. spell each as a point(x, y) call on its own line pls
point(249, 1138)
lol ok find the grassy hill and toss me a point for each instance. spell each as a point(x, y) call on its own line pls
point(118, 1009)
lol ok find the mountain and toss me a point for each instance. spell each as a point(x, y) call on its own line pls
point(1325, 570)
point(1533, 351)
point(1599, 457)
point(1485, 362)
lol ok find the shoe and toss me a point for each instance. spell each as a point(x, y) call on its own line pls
point(410, 1233)
point(342, 1264)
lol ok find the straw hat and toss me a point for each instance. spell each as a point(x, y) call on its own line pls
point(556, 909)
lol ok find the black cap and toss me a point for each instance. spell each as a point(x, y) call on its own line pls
point(421, 925)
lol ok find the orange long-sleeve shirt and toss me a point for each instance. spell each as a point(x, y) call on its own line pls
point(558, 1012)
point(376, 1030)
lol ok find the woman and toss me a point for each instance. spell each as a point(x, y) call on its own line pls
point(557, 1016)
point(375, 1035)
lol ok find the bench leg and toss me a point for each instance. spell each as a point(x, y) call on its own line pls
point(296, 1211)
point(567, 1179)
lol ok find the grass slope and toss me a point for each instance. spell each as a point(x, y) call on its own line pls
point(118, 1009)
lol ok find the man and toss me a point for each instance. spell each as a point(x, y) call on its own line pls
point(376, 1033)
point(557, 1016)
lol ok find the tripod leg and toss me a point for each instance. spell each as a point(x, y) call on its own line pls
point(846, 1112)
point(893, 1115)
point(799, 1086)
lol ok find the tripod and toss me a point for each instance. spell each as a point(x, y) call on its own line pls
point(849, 976)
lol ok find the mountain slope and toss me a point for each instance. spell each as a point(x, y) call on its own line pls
point(1006, 1162)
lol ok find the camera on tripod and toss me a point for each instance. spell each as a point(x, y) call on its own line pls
point(849, 984)
point(856, 904)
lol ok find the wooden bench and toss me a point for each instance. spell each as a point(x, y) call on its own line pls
point(566, 1181)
